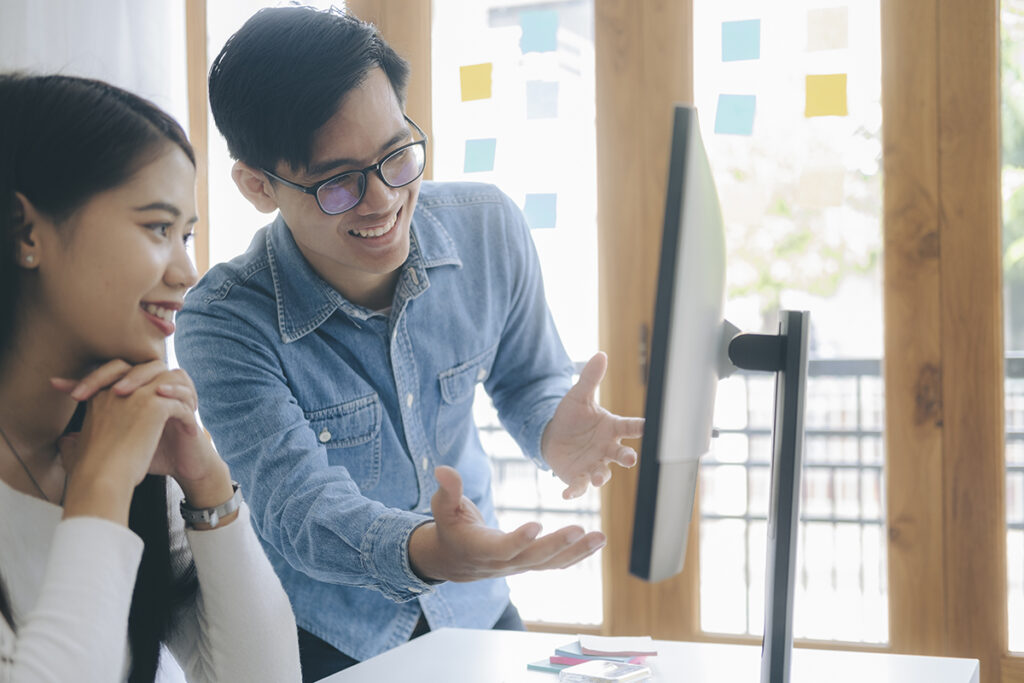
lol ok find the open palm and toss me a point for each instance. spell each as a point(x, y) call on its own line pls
point(583, 439)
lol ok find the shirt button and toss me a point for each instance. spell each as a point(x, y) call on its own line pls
point(480, 374)
point(325, 436)
point(408, 400)
point(426, 463)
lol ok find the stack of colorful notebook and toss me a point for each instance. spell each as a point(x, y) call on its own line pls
point(616, 649)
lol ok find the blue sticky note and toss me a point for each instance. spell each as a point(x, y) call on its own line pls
point(735, 115)
point(479, 155)
point(540, 30)
point(541, 99)
point(540, 210)
point(741, 40)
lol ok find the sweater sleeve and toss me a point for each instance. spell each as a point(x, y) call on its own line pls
point(240, 625)
point(76, 631)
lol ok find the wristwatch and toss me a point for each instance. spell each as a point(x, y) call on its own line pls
point(212, 516)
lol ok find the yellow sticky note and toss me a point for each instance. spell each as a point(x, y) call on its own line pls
point(476, 81)
point(826, 95)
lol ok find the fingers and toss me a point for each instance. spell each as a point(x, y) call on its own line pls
point(448, 498)
point(178, 392)
point(592, 374)
point(123, 379)
point(600, 475)
point(577, 486)
point(629, 427)
point(557, 550)
point(582, 549)
point(117, 374)
point(624, 456)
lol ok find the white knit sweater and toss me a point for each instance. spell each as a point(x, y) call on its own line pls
point(70, 584)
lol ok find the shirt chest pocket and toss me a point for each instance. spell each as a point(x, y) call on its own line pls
point(458, 387)
point(350, 432)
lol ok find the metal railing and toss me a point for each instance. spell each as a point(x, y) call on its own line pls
point(842, 541)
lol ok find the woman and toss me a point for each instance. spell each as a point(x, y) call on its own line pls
point(98, 439)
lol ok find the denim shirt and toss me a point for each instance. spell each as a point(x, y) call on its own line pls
point(332, 417)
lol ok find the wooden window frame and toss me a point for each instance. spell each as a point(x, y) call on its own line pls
point(942, 299)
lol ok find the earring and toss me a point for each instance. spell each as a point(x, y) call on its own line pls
point(30, 258)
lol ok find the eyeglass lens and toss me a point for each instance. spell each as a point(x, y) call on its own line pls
point(397, 170)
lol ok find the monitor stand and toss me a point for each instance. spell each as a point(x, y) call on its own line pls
point(785, 354)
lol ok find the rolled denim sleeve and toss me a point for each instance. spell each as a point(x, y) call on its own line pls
point(531, 371)
point(310, 513)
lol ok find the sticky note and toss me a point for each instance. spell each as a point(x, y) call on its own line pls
point(735, 114)
point(826, 95)
point(540, 30)
point(827, 29)
point(820, 188)
point(540, 210)
point(541, 99)
point(479, 155)
point(476, 81)
point(741, 40)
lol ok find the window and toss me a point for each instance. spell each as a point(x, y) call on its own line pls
point(789, 99)
point(513, 102)
point(1013, 293)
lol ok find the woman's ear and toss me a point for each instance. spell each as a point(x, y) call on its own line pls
point(254, 186)
point(25, 218)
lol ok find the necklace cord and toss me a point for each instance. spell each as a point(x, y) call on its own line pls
point(21, 462)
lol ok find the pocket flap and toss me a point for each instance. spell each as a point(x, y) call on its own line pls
point(458, 384)
point(347, 424)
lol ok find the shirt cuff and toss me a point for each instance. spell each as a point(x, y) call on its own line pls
point(533, 431)
point(385, 555)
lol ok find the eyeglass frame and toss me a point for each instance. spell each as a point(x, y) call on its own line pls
point(315, 188)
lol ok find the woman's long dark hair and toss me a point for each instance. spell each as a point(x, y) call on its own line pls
point(63, 140)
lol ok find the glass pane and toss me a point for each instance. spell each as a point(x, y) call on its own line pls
point(1013, 293)
point(789, 100)
point(233, 219)
point(513, 98)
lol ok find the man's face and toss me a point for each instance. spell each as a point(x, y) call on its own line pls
point(360, 251)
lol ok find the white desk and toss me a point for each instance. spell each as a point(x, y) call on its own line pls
point(471, 656)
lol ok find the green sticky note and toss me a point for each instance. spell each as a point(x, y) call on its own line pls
point(479, 155)
point(826, 95)
point(476, 81)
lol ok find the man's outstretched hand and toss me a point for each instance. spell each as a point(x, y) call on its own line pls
point(458, 546)
point(583, 439)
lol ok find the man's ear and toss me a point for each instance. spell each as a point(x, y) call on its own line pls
point(25, 218)
point(254, 186)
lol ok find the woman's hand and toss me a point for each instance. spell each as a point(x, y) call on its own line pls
point(141, 420)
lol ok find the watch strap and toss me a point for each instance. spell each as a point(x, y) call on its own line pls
point(212, 516)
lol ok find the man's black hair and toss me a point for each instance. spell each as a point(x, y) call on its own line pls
point(284, 74)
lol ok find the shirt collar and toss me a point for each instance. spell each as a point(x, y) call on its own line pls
point(305, 300)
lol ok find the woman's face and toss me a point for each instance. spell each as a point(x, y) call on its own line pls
point(112, 277)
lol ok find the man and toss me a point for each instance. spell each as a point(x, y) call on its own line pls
point(337, 359)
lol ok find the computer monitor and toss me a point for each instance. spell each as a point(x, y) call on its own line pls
point(684, 356)
point(692, 347)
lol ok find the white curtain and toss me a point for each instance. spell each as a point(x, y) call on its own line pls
point(138, 45)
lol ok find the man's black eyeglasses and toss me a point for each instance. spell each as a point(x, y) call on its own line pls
point(344, 191)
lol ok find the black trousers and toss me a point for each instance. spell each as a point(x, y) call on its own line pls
point(319, 659)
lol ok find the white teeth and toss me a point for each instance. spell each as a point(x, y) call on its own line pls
point(377, 232)
point(159, 311)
